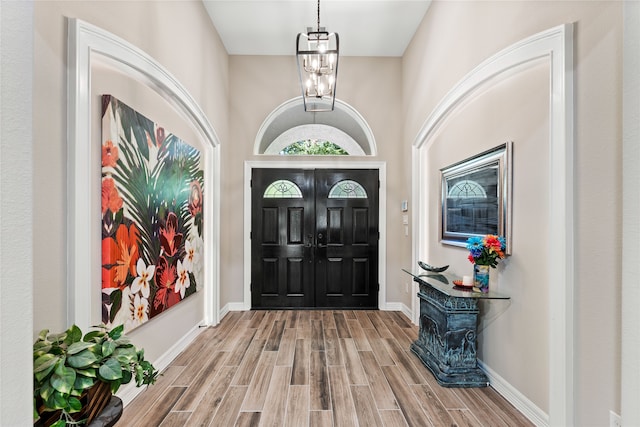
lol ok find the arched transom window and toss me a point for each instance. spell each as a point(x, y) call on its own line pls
point(347, 189)
point(314, 147)
point(282, 189)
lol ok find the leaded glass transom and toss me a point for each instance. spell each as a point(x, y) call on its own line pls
point(347, 189)
point(282, 189)
point(466, 189)
point(314, 147)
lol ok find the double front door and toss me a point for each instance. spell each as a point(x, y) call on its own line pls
point(314, 238)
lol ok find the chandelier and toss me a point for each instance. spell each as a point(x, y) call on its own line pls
point(317, 55)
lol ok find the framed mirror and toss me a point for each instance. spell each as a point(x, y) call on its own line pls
point(476, 197)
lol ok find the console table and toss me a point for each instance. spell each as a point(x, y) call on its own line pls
point(447, 333)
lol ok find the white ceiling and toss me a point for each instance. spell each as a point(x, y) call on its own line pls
point(269, 27)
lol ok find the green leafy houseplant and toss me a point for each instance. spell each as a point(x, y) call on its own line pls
point(68, 364)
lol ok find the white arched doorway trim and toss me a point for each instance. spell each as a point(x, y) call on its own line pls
point(89, 45)
point(555, 44)
point(317, 132)
point(307, 164)
point(291, 114)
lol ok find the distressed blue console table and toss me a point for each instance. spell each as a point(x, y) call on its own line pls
point(447, 332)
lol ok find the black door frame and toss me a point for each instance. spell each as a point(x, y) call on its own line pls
point(292, 164)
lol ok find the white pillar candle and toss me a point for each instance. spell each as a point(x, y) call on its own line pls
point(467, 280)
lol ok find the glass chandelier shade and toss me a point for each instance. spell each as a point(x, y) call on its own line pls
point(317, 55)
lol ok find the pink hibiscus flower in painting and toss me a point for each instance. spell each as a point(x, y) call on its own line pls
point(120, 255)
point(165, 277)
point(169, 238)
point(110, 197)
point(195, 198)
point(109, 154)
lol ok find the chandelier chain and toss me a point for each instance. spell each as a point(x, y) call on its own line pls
point(318, 15)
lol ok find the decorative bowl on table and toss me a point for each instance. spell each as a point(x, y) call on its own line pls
point(431, 268)
point(460, 285)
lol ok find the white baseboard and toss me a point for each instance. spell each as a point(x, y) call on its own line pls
point(536, 415)
point(128, 392)
point(232, 306)
point(398, 306)
point(223, 312)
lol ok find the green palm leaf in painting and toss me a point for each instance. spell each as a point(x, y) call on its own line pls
point(132, 178)
point(140, 127)
point(179, 168)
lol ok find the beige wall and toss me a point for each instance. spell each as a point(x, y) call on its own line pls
point(258, 85)
point(514, 339)
point(151, 27)
point(514, 109)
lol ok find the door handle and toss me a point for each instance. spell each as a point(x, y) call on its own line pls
point(309, 240)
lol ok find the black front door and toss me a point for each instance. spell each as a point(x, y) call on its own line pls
point(314, 238)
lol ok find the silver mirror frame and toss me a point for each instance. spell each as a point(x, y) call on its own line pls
point(500, 157)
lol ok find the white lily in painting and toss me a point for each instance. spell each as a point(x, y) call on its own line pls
point(190, 256)
point(182, 282)
point(140, 309)
point(141, 283)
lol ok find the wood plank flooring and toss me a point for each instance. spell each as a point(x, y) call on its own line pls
point(310, 368)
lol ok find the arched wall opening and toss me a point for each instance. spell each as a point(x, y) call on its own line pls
point(555, 47)
point(289, 123)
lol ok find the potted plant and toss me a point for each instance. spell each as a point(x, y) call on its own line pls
point(75, 375)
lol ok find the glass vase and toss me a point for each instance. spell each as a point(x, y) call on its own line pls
point(481, 277)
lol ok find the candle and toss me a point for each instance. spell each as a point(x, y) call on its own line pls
point(467, 281)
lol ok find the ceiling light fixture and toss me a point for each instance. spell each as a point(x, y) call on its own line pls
point(317, 54)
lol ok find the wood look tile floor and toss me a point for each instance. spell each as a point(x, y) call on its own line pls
point(310, 368)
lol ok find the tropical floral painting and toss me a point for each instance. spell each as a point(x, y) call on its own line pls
point(152, 184)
